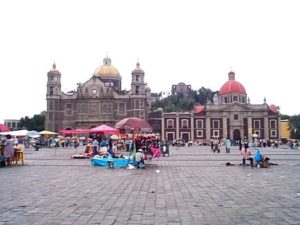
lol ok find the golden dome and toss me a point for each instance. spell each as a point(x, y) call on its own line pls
point(107, 69)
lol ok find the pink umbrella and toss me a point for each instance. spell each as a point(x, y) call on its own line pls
point(133, 123)
point(3, 128)
point(104, 129)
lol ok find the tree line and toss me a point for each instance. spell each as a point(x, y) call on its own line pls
point(181, 102)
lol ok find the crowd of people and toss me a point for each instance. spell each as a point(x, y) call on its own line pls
point(140, 146)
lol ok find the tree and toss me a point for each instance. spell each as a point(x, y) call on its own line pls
point(37, 122)
point(284, 117)
point(294, 126)
point(205, 95)
point(181, 103)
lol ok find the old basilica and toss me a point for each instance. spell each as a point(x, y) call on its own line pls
point(100, 100)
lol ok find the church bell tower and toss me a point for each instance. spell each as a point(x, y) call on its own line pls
point(53, 96)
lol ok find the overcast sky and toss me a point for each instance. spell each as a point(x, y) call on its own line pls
point(195, 42)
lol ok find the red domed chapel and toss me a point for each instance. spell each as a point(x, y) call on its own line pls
point(229, 115)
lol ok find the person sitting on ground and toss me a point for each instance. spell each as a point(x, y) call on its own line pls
point(103, 147)
point(95, 147)
point(261, 159)
point(89, 149)
point(139, 159)
point(246, 155)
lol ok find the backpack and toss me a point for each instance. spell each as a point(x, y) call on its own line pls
point(2, 161)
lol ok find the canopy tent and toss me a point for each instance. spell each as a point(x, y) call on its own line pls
point(104, 129)
point(3, 128)
point(33, 133)
point(16, 133)
point(48, 132)
point(134, 123)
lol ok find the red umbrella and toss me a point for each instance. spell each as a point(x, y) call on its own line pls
point(104, 129)
point(133, 123)
point(3, 128)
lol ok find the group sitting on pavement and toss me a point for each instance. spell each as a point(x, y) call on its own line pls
point(260, 159)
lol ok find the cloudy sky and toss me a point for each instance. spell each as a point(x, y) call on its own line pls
point(192, 41)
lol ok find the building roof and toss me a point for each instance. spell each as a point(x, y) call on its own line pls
point(106, 70)
point(232, 86)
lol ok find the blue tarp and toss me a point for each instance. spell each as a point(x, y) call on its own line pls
point(118, 162)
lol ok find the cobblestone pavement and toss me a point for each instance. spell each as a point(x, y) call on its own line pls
point(192, 186)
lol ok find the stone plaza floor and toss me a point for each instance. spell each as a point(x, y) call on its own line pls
point(192, 186)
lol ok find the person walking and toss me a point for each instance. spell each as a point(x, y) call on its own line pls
point(228, 145)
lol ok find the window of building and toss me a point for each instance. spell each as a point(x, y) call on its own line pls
point(199, 133)
point(273, 124)
point(83, 108)
point(109, 108)
point(121, 108)
point(170, 123)
point(137, 77)
point(216, 133)
point(235, 98)
point(68, 109)
point(216, 124)
point(94, 108)
point(199, 124)
point(137, 89)
point(104, 108)
point(235, 116)
point(141, 104)
point(184, 123)
point(225, 99)
point(273, 133)
point(257, 124)
point(51, 90)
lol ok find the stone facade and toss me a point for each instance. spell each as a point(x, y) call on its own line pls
point(100, 100)
point(229, 115)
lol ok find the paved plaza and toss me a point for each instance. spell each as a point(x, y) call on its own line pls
point(192, 186)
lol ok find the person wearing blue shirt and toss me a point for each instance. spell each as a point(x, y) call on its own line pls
point(260, 158)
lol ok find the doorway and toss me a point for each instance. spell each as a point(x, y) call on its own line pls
point(236, 135)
